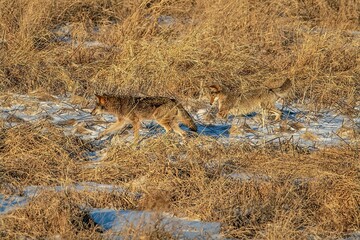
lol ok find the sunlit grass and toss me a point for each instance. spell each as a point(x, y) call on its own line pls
point(293, 193)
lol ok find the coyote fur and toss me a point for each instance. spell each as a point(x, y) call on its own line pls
point(251, 101)
point(130, 109)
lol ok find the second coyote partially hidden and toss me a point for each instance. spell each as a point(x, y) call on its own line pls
point(251, 101)
point(129, 109)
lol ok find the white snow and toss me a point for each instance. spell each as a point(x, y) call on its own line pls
point(299, 125)
point(120, 221)
point(8, 204)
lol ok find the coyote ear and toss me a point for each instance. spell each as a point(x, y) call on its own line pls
point(215, 87)
point(100, 98)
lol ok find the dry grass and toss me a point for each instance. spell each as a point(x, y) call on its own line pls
point(29, 147)
point(292, 193)
point(64, 214)
point(239, 43)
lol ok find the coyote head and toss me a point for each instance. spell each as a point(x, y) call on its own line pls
point(100, 105)
point(213, 92)
point(219, 94)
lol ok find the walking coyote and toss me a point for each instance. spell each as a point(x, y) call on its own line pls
point(130, 109)
point(251, 101)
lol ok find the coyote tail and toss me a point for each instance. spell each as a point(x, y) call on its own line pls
point(283, 90)
point(185, 116)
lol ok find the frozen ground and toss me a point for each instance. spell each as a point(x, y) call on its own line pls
point(303, 127)
point(119, 221)
point(300, 126)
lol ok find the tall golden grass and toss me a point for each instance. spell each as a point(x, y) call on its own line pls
point(292, 193)
point(238, 43)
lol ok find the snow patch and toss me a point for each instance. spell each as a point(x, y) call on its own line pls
point(121, 221)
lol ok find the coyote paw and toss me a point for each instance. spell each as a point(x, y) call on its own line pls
point(191, 134)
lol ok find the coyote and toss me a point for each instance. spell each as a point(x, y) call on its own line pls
point(251, 101)
point(167, 112)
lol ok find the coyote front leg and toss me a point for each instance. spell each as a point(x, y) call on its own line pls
point(115, 126)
